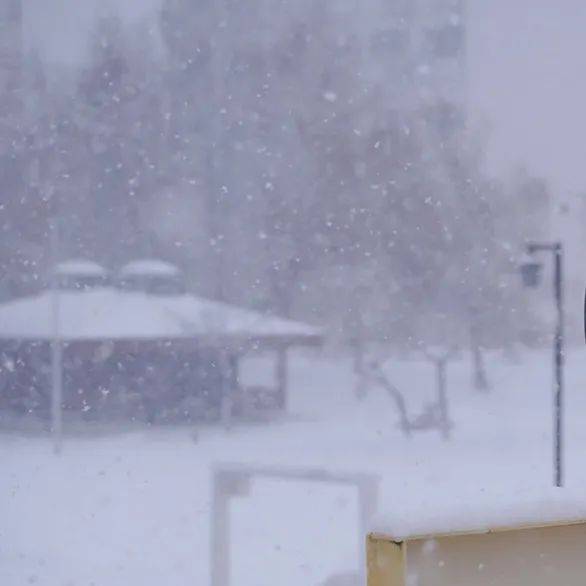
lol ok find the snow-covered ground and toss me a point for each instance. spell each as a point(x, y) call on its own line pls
point(133, 508)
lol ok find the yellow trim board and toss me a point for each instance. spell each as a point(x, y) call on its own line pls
point(385, 562)
point(533, 555)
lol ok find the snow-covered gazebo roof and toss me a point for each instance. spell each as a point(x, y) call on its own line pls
point(113, 314)
point(152, 276)
point(149, 267)
point(80, 267)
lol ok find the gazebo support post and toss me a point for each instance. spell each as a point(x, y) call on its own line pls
point(282, 376)
point(227, 388)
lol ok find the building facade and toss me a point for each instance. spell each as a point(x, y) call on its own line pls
point(11, 55)
point(418, 50)
point(11, 46)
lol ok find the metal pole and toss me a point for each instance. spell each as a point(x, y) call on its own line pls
point(220, 531)
point(558, 355)
point(559, 366)
point(56, 348)
point(282, 376)
point(443, 397)
point(215, 152)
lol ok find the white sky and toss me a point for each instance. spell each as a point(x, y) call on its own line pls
point(59, 28)
point(526, 74)
point(527, 78)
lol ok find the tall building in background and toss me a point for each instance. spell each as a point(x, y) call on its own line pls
point(11, 172)
point(11, 59)
point(11, 45)
point(440, 50)
point(416, 49)
point(414, 52)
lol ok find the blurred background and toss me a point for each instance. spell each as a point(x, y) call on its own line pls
point(285, 234)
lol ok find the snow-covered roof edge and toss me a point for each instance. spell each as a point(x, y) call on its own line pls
point(480, 517)
point(150, 267)
point(80, 267)
point(111, 314)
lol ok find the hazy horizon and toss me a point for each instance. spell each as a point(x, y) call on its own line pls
point(516, 49)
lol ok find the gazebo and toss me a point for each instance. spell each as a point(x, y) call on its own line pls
point(153, 276)
point(138, 352)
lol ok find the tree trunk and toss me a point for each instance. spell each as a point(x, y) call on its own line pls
point(480, 379)
point(479, 369)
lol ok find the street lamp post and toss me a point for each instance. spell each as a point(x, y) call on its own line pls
point(531, 272)
point(56, 346)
